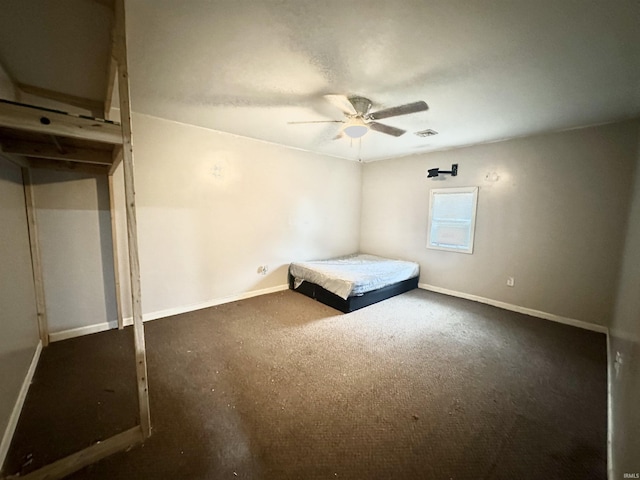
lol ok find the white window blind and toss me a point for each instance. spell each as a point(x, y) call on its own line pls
point(452, 218)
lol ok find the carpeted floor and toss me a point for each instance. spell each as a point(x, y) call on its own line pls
point(421, 386)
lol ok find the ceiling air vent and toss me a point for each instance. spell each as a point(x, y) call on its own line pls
point(427, 133)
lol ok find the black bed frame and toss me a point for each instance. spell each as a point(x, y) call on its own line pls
point(356, 302)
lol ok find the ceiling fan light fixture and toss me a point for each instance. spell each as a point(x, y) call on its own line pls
point(356, 128)
point(356, 131)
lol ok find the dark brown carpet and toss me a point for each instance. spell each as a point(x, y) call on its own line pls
point(282, 387)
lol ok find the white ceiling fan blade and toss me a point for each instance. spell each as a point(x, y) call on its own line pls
point(399, 110)
point(388, 129)
point(341, 102)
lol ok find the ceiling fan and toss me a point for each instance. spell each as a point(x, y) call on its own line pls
point(359, 120)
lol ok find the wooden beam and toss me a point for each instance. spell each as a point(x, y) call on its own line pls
point(112, 69)
point(114, 242)
point(111, 80)
point(132, 225)
point(94, 106)
point(117, 159)
point(112, 72)
point(36, 259)
point(67, 166)
point(58, 123)
point(44, 150)
point(68, 465)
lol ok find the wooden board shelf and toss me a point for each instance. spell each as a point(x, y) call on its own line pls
point(54, 122)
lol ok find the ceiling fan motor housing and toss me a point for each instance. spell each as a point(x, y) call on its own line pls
point(360, 104)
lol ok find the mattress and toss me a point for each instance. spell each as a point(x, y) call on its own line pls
point(353, 274)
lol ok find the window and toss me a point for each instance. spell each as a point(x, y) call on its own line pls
point(452, 218)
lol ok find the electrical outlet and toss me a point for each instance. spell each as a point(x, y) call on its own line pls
point(510, 281)
point(263, 269)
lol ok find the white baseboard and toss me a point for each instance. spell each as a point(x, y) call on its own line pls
point(80, 331)
point(211, 303)
point(516, 308)
point(17, 407)
point(101, 327)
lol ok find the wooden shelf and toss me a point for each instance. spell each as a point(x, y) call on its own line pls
point(19, 116)
point(66, 143)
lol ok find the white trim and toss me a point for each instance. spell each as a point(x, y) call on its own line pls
point(516, 308)
point(101, 327)
point(472, 227)
point(222, 132)
point(609, 413)
point(17, 408)
point(86, 330)
point(447, 148)
point(211, 303)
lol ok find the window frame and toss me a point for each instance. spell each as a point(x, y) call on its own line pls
point(453, 190)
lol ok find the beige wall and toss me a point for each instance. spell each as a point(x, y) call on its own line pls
point(18, 321)
point(74, 228)
point(213, 207)
point(552, 220)
point(7, 89)
point(625, 340)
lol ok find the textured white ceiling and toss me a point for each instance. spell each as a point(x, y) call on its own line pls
point(488, 70)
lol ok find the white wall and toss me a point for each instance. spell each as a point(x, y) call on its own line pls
point(18, 320)
point(625, 340)
point(213, 207)
point(74, 229)
point(553, 219)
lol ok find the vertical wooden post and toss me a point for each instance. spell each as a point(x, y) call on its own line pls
point(114, 241)
point(129, 187)
point(36, 260)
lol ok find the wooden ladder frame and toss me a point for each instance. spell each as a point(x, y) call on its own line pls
point(22, 118)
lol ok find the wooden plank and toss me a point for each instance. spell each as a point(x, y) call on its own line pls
point(111, 80)
point(89, 455)
point(36, 259)
point(117, 159)
point(66, 166)
point(94, 106)
point(112, 71)
point(114, 242)
point(132, 227)
point(58, 123)
point(51, 151)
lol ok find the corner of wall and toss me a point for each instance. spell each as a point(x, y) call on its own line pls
point(624, 348)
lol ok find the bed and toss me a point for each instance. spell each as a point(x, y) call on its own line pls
point(355, 281)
